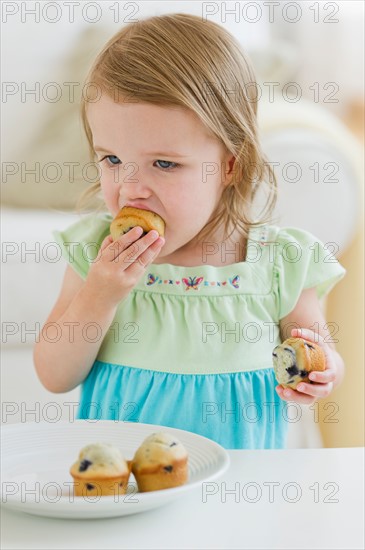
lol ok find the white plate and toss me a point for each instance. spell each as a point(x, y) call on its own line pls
point(36, 458)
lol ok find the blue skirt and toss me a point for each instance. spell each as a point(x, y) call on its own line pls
point(237, 410)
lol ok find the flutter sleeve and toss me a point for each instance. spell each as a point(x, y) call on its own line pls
point(80, 242)
point(303, 261)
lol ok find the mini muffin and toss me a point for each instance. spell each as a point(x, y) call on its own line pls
point(100, 470)
point(161, 462)
point(294, 359)
point(129, 217)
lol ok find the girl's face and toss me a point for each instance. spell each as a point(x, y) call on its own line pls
point(162, 159)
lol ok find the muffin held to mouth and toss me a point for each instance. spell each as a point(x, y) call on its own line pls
point(294, 359)
point(101, 470)
point(129, 217)
point(161, 462)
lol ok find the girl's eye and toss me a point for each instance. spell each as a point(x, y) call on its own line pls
point(164, 163)
point(111, 159)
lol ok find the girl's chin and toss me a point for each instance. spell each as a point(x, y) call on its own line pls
point(166, 255)
point(162, 257)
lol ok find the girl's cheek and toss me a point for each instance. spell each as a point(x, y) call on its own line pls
point(107, 181)
point(110, 195)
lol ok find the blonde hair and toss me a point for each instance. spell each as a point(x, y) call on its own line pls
point(181, 60)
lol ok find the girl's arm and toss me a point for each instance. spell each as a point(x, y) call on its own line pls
point(65, 352)
point(311, 325)
point(63, 356)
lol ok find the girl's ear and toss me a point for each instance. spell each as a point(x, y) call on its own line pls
point(229, 170)
point(231, 163)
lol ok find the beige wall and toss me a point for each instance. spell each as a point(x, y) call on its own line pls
point(345, 306)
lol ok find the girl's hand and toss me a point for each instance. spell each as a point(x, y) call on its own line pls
point(120, 264)
point(321, 381)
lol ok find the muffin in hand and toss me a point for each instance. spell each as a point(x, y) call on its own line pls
point(100, 470)
point(129, 217)
point(161, 462)
point(294, 359)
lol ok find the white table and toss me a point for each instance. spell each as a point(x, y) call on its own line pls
point(316, 501)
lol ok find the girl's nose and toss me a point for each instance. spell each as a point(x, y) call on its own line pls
point(134, 187)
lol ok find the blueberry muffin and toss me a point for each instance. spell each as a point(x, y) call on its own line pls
point(294, 359)
point(161, 462)
point(129, 217)
point(100, 470)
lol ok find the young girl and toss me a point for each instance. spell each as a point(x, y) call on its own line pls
point(179, 331)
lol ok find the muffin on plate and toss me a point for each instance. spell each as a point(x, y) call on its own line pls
point(100, 470)
point(161, 462)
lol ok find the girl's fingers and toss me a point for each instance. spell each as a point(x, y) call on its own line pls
point(288, 394)
point(308, 394)
point(315, 390)
point(312, 336)
point(323, 377)
point(309, 335)
point(145, 258)
point(131, 251)
point(116, 248)
point(106, 242)
point(135, 252)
